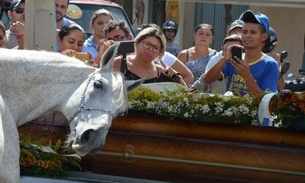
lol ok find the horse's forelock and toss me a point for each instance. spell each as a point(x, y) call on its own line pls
point(118, 85)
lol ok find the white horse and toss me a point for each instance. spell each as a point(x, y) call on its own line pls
point(35, 82)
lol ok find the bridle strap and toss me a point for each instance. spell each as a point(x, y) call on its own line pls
point(82, 103)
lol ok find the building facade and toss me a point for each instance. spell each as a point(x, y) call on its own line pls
point(286, 20)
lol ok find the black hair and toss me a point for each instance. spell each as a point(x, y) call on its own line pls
point(204, 25)
point(66, 30)
point(114, 24)
point(261, 27)
point(232, 38)
point(100, 12)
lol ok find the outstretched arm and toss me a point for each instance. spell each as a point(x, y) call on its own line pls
point(214, 73)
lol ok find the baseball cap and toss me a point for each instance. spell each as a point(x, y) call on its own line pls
point(15, 4)
point(235, 24)
point(257, 17)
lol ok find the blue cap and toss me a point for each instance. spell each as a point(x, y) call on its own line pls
point(15, 4)
point(250, 17)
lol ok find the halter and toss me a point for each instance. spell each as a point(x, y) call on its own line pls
point(83, 106)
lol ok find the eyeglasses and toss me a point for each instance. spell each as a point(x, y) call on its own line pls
point(148, 45)
point(19, 10)
point(117, 38)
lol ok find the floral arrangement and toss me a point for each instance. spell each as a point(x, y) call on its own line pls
point(203, 107)
point(289, 108)
point(171, 102)
point(51, 160)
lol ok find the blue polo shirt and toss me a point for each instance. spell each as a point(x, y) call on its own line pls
point(265, 71)
point(90, 47)
point(66, 22)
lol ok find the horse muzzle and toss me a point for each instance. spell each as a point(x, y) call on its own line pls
point(89, 141)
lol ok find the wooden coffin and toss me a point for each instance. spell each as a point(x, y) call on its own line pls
point(152, 147)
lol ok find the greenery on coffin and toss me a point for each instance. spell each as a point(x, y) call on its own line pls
point(173, 102)
point(170, 101)
point(52, 160)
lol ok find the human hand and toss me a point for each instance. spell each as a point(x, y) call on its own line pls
point(227, 53)
point(174, 75)
point(17, 28)
point(275, 55)
point(91, 62)
point(104, 45)
point(85, 57)
point(241, 67)
point(69, 52)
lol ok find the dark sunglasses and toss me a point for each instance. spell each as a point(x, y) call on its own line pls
point(19, 10)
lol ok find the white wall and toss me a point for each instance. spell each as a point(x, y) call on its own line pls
point(290, 25)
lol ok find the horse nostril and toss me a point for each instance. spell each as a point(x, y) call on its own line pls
point(86, 136)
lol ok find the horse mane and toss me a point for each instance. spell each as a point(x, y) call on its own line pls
point(32, 64)
point(123, 97)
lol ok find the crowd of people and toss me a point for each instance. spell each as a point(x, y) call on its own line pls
point(157, 56)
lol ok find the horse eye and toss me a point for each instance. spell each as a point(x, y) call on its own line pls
point(123, 113)
point(98, 84)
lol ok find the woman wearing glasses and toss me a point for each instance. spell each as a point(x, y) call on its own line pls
point(149, 44)
point(15, 34)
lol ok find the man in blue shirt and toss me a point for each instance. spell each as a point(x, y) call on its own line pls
point(61, 10)
point(256, 72)
point(61, 7)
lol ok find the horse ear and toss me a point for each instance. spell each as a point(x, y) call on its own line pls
point(133, 84)
point(108, 57)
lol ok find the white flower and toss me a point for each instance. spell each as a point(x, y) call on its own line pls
point(186, 114)
point(205, 109)
point(243, 109)
point(219, 107)
point(149, 105)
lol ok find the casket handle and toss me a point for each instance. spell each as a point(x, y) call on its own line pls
point(128, 151)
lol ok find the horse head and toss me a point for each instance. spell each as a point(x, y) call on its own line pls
point(98, 100)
